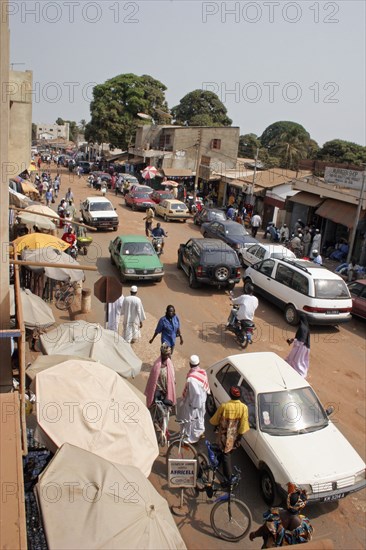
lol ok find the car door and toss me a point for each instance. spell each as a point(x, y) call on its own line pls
point(249, 441)
point(226, 377)
point(358, 293)
point(161, 208)
point(117, 247)
point(263, 277)
point(187, 256)
point(252, 254)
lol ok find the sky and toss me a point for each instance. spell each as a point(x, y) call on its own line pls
point(266, 60)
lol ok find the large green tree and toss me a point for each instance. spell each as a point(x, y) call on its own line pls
point(115, 106)
point(288, 141)
point(338, 150)
point(248, 145)
point(201, 108)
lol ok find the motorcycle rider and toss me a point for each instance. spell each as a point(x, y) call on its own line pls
point(247, 303)
point(70, 238)
point(158, 232)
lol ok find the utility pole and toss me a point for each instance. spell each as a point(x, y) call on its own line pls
point(354, 228)
point(198, 162)
point(251, 188)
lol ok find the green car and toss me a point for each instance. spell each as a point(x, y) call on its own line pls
point(136, 258)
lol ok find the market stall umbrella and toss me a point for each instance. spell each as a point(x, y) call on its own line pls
point(36, 313)
point(31, 217)
point(91, 340)
point(87, 404)
point(32, 167)
point(88, 502)
point(18, 199)
point(149, 172)
point(54, 256)
point(35, 241)
point(29, 189)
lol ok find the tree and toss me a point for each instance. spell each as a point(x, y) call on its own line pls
point(82, 125)
point(248, 145)
point(338, 150)
point(60, 121)
point(115, 106)
point(201, 108)
point(289, 141)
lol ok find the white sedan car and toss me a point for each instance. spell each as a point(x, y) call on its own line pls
point(258, 252)
point(291, 438)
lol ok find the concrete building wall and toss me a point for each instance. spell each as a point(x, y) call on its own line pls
point(20, 120)
point(54, 130)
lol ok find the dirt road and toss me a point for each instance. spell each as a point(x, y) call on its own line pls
point(337, 371)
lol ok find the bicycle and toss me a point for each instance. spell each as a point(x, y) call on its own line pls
point(160, 414)
point(64, 296)
point(230, 518)
point(179, 446)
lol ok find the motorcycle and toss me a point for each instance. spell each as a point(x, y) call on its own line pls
point(157, 243)
point(74, 251)
point(243, 330)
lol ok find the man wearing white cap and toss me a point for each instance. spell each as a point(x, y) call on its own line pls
point(194, 400)
point(133, 316)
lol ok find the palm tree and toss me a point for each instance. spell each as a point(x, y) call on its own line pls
point(292, 145)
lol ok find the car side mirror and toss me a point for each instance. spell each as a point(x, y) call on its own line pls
point(329, 410)
point(255, 266)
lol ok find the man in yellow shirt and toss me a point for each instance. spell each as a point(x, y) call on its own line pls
point(232, 421)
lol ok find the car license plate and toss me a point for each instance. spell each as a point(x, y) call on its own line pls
point(334, 497)
point(332, 312)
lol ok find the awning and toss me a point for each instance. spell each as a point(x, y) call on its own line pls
point(339, 212)
point(308, 199)
point(177, 172)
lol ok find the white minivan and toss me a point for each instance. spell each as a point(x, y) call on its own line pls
point(99, 212)
point(302, 286)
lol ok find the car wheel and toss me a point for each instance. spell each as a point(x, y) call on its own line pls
point(267, 486)
point(134, 207)
point(159, 280)
point(222, 273)
point(291, 315)
point(210, 405)
point(205, 235)
point(192, 279)
point(166, 219)
point(179, 262)
point(184, 221)
point(112, 260)
point(247, 282)
point(115, 228)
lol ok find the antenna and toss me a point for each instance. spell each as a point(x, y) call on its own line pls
point(280, 373)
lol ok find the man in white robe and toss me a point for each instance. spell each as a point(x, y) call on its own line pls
point(133, 316)
point(114, 313)
point(194, 400)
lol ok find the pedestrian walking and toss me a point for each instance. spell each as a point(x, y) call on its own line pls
point(49, 196)
point(306, 241)
point(161, 382)
point(148, 220)
point(316, 244)
point(133, 316)
point(114, 311)
point(299, 356)
point(56, 186)
point(69, 195)
point(193, 404)
point(231, 419)
point(256, 222)
point(169, 328)
point(284, 233)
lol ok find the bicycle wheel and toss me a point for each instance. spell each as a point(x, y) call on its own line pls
point(203, 471)
point(181, 449)
point(64, 300)
point(231, 519)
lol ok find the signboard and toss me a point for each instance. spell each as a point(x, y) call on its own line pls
point(343, 177)
point(107, 289)
point(182, 473)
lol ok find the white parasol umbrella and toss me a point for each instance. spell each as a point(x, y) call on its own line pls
point(36, 313)
point(31, 217)
point(87, 502)
point(149, 172)
point(18, 200)
point(54, 256)
point(91, 340)
point(89, 405)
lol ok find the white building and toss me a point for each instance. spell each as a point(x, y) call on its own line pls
point(53, 131)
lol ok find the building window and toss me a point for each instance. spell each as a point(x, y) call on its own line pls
point(164, 141)
point(51, 129)
point(216, 144)
point(40, 129)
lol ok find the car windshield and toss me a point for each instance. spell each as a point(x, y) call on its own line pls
point(165, 196)
point(331, 289)
point(237, 230)
point(216, 257)
point(141, 195)
point(138, 249)
point(291, 412)
point(101, 207)
point(176, 206)
point(284, 254)
point(217, 216)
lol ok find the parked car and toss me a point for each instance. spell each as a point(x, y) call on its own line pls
point(85, 166)
point(358, 294)
point(172, 209)
point(208, 215)
point(304, 286)
point(257, 252)
point(106, 178)
point(136, 258)
point(99, 212)
point(230, 232)
point(290, 435)
point(209, 261)
point(139, 200)
point(160, 195)
point(138, 188)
